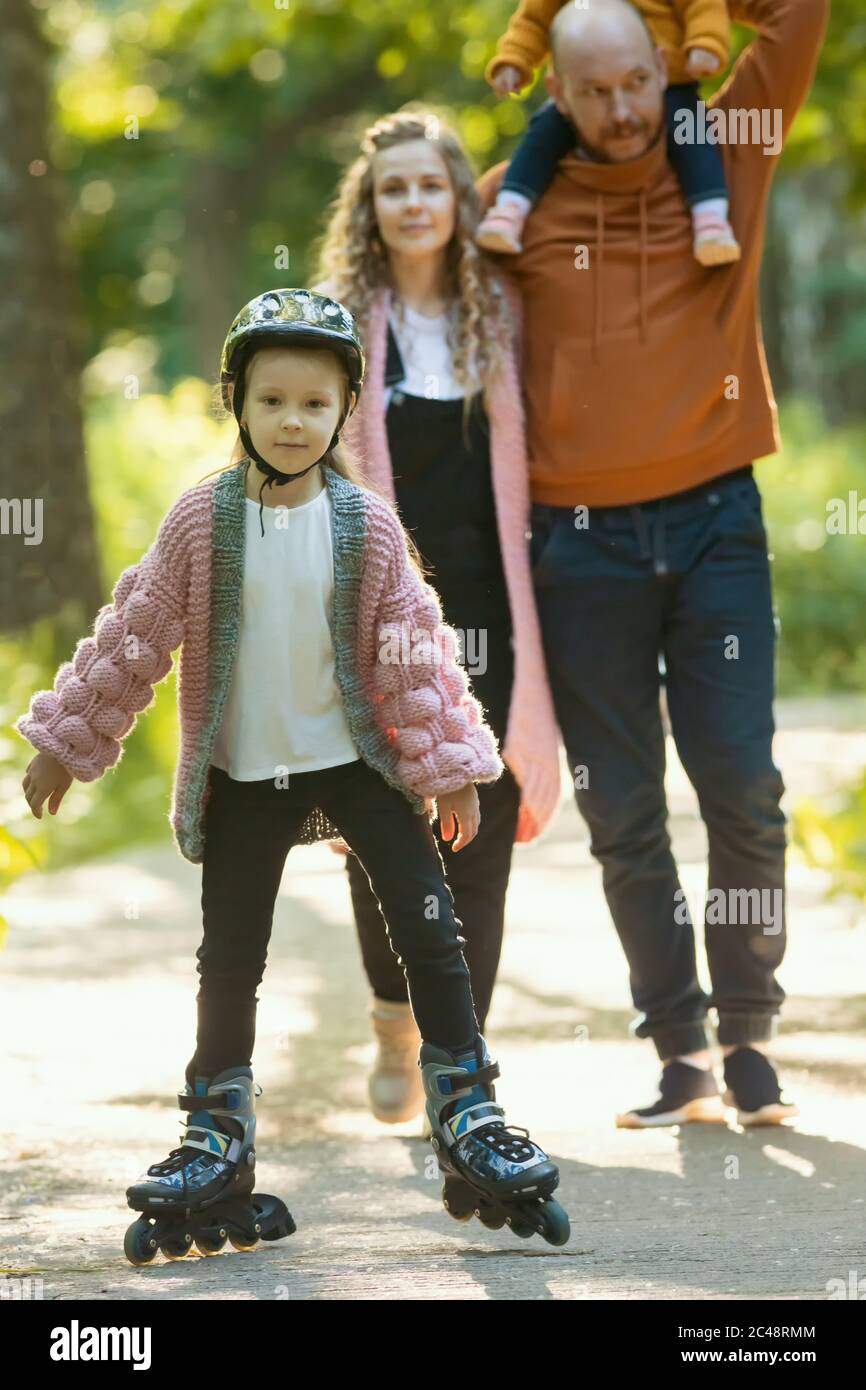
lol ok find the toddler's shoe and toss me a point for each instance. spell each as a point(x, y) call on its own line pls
point(714, 240)
point(753, 1088)
point(502, 229)
point(686, 1093)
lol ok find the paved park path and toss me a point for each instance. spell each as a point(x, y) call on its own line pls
point(97, 1023)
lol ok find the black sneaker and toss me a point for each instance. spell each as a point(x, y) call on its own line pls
point(685, 1093)
point(753, 1087)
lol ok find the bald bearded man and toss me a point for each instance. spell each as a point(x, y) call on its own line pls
point(647, 399)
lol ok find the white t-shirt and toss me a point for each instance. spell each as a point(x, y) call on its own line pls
point(427, 358)
point(284, 709)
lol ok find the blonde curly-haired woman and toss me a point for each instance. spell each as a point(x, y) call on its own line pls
point(441, 433)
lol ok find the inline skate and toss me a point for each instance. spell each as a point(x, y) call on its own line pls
point(492, 1170)
point(202, 1194)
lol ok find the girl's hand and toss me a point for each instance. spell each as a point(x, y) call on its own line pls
point(45, 776)
point(507, 79)
point(701, 63)
point(464, 805)
point(339, 847)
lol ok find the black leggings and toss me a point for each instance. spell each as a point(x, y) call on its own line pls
point(477, 875)
point(249, 829)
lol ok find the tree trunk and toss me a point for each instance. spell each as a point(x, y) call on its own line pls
point(48, 561)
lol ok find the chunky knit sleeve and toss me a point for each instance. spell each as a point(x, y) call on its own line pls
point(422, 691)
point(112, 674)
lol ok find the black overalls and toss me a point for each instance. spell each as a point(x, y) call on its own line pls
point(444, 494)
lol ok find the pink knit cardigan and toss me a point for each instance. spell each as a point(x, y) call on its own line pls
point(531, 747)
point(407, 700)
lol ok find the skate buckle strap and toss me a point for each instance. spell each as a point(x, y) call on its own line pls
point(210, 1141)
point(451, 1083)
point(214, 1100)
point(473, 1117)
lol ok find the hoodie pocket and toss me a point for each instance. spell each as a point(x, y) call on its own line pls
point(634, 404)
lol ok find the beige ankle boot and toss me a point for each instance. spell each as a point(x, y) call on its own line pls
point(396, 1092)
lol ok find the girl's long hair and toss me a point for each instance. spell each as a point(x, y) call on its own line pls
point(354, 260)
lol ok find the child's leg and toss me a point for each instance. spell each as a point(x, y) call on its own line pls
point(250, 828)
point(495, 1171)
point(549, 138)
point(478, 879)
point(477, 876)
point(381, 966)
point(701, 173)
point(398, 852)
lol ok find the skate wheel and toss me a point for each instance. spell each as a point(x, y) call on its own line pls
point(211, 1241)
point(493, 1221)
point(459, 1200)
point(176, 1247)
point(244, 1242)
point(138, 1244)
point(521, 1226)
point(555, 1226)
point(459, 1215)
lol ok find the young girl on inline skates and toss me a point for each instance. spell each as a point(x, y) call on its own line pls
point(319, 697)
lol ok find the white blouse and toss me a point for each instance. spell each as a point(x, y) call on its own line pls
point(284, 711)
point(427, 357)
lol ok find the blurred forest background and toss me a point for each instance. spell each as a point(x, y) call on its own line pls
point(159, 159)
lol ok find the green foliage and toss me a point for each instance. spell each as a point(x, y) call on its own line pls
point(835, 840)
point(832, 129)
point(820, 588)
point(199, 135)
point(142, 454)
point(819, 578)
point(181, 125)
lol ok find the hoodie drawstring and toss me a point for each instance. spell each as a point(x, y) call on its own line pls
point(643, 264)
point(597, 303)
point(598, 280)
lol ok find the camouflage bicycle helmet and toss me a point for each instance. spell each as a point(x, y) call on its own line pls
point(289, 317)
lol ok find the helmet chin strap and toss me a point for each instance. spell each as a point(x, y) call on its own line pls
point(273, 476)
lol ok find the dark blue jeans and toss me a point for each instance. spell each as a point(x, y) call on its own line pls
point(550, 136)
point(687, 578)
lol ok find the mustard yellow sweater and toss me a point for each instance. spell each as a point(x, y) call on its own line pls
point(676, 26)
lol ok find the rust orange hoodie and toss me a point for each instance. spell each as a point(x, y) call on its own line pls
point(644, 372)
